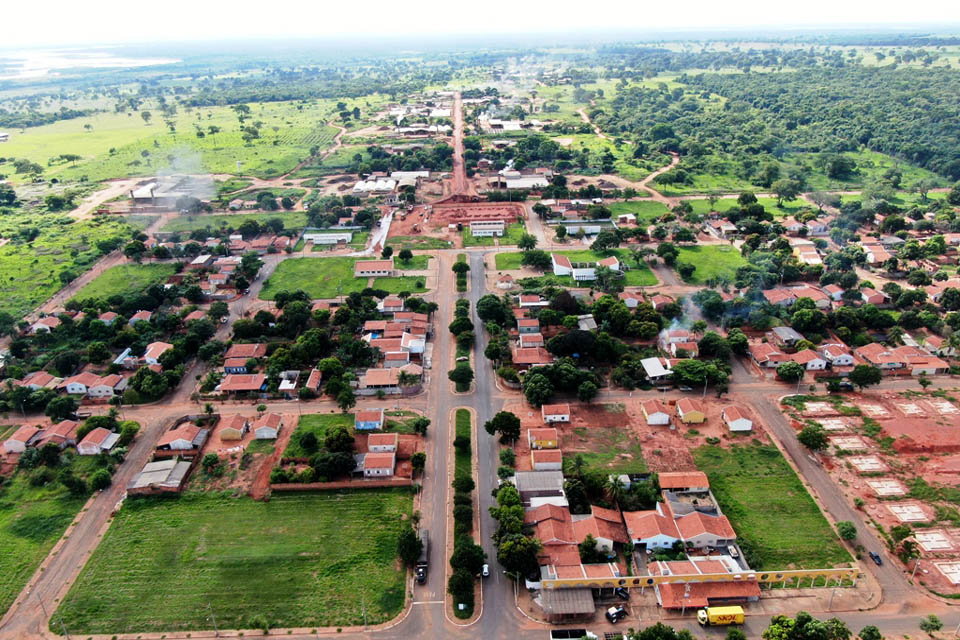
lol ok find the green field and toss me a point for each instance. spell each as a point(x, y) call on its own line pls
point(638, 276)
point(31, 270)
point(646, 211)
point(299, 560)
point(777, 522)
point(611, 451)
point(319, 277)
point(400, 283)
point(122, 144)
point(511, 236)
point(418, 242)
point(126, 280)
point(318, 424)
point(711, 261)
point(184, 224)
point(32, 519)
point(417, 263)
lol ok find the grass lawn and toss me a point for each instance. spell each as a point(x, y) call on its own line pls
point(646, 212)
point(261, 446)
point(319, 277)
point(399, 421)
point(299, 560)
point(416, 263)
point(32, 519)
point(511, 236)
point(611, 451)
point(126, 280)
point(188, 223)
point(397, 284)
point(637, 276)
point(711, 261)
point(777, 522)
point(318, 424)
point(418, 242)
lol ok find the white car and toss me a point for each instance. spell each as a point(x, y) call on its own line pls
point(485, 572)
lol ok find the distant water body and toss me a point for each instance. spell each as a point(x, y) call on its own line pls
point(37, 63)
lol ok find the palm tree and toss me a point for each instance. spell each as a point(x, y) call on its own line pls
point(616, 489)
point(577, 465)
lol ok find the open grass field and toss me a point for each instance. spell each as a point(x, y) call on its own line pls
point(123, 144)
point(318, 424)
point(646, 211)
point(711, 261)
point(126, 280)
point(511, 237)
point(319, 277)
point(610, 450)
point(638, 276)
point(31, 270)
point(416, 263)
point(903, 199)
point(32, 519)
point(418, 242)
point(185, 224)
point(303, 560)
point(776, 520)
point(397, 284)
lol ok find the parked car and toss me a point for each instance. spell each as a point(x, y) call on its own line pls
point(845, 386)
point(616, 614)
point(485, 572)
point(876, 558)
point(622, 593)
point(684, 387)
point(732, 550)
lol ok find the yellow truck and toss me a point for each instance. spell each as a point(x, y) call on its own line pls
point(720, 615)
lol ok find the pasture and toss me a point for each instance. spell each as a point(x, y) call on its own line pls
point(778, 524)
point(126, 280)
point(711, 261)
point(300, 560)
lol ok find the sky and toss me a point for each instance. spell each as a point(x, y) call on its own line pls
point(69, 22)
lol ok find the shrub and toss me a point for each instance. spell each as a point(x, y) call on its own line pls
point(100, 480)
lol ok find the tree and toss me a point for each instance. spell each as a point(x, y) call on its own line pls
point(61, 408)
point(405, 255)
point(527, 242)
point(418, 461)
point(209, 462)
point(847, 530)
point(308, 442)
point(786, 190)
point(536, 259)
point(865, 375)
point(518, 554)
point(338, 439)
point(790, 371)
point(468, 555)
point(100, 480)
point(587, 391)
point(506, 424)
point(460, 268)
point(409, 546)
point(931, 624)
point(461, 375)
point(870, 632)
point(813, 437)
point(460, 586)
point(147, 116)
point(560, 232)
point(346, 399)
point(463, 484)
point(135, 250)
point(605, 240)
point(537, 388)
point(386, 253)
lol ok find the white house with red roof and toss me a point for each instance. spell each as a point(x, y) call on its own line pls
point(809, 359)
point(736, 419)
point(97, 441)
point(22, 438)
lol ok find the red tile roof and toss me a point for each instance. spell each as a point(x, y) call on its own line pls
point(696, 523)
point(378, 461)
point(682, 479)
point(246, 351)
point(369, 415)
point(96, 436)
point(555, 410)
point(547, 455)
point(243, 382)
point(647, 524)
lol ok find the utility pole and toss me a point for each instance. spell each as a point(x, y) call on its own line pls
point(363, 607)
point(63, 627)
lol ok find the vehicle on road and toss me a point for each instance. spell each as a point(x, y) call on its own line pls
point(684, 387)
point(485, 572)
point(571, 634)
point(720, 615)
point(616, 614)
point(622, 593)
point(876, 558)
point(420, 569)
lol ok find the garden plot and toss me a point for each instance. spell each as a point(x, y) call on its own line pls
point(908, 512)
point(868, 464)
point(819, 409)
point(849, 443)
point(887, 488)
